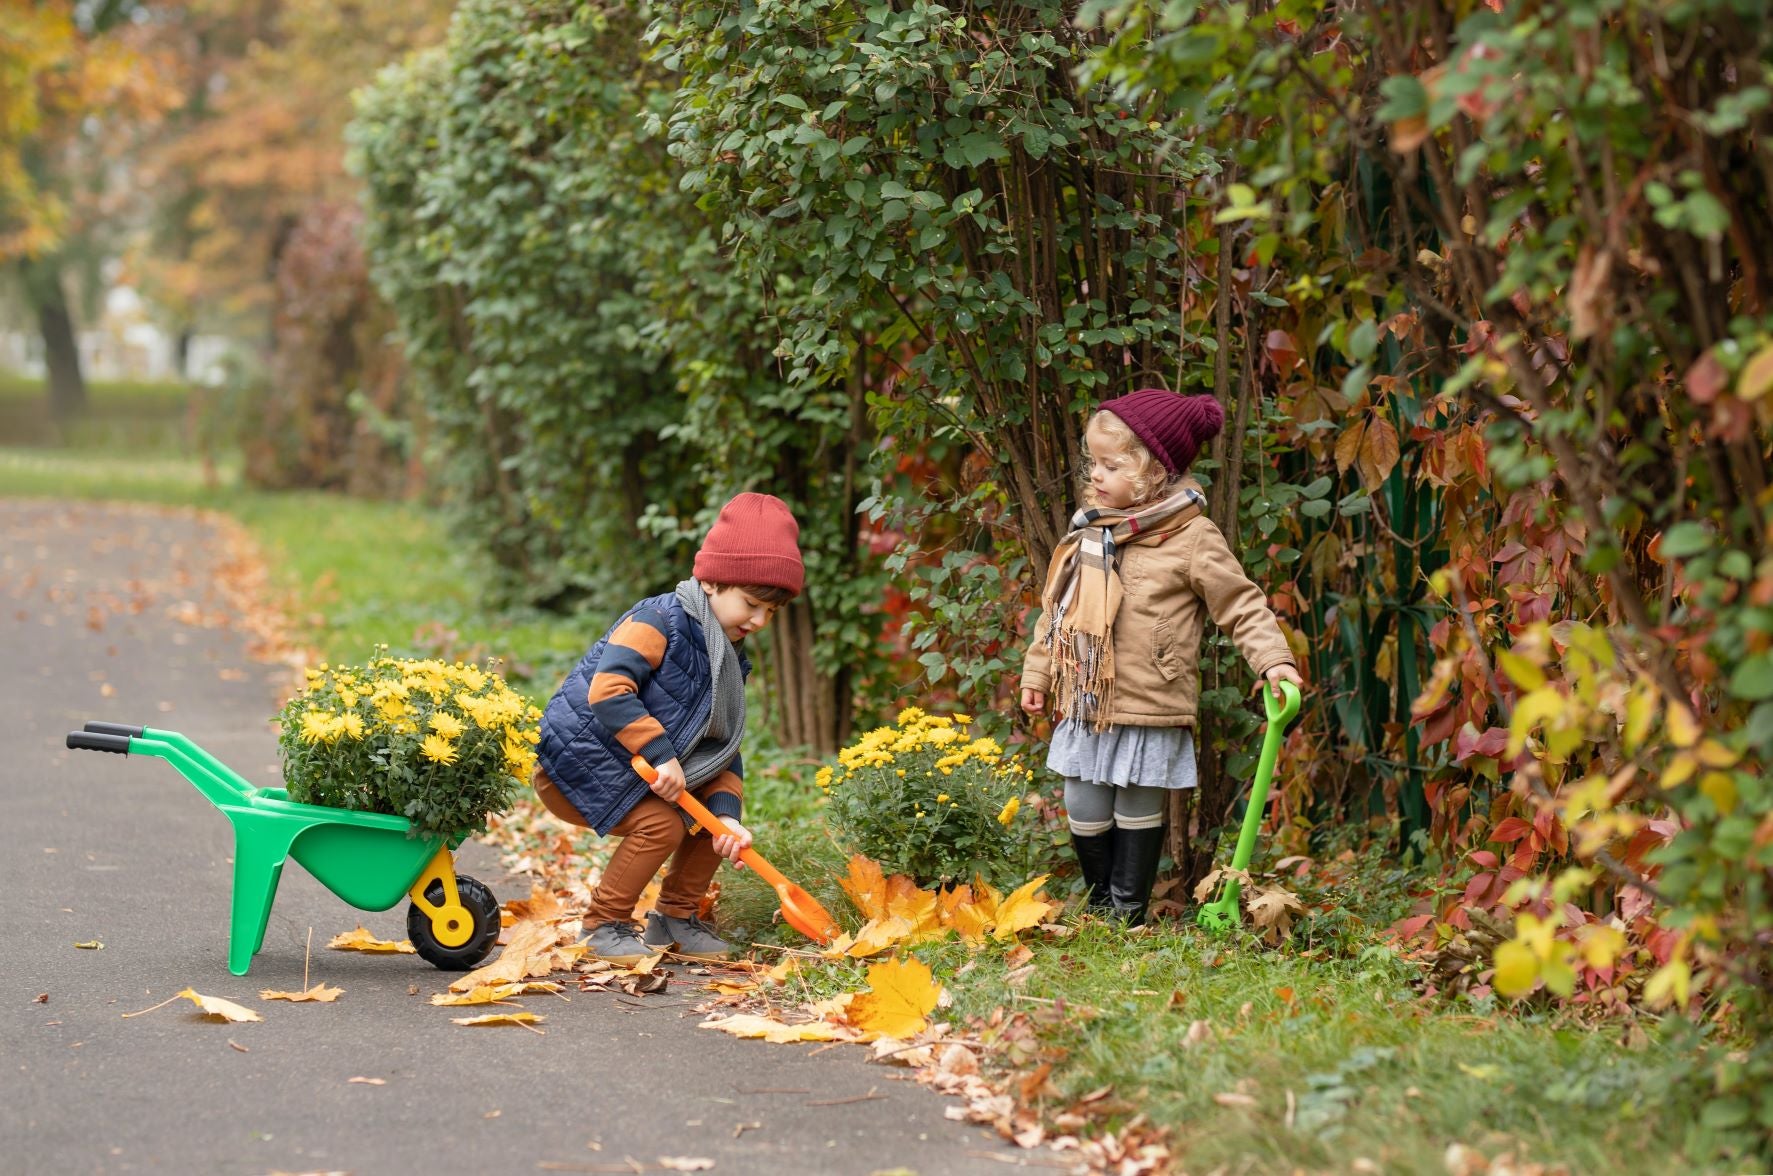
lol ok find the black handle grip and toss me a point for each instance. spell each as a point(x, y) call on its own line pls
point(93, 741)
point(98, 728)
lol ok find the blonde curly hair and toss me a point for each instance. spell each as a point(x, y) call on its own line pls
point(1149, 478)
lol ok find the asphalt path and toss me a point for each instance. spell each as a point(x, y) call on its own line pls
point(114, 613)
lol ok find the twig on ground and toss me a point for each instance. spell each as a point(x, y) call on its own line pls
point(872, 1095)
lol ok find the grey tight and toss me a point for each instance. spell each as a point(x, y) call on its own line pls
point(1095, 808)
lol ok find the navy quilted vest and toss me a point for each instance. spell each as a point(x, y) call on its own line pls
point(584, 758)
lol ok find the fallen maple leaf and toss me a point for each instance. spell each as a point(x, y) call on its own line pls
point(542, 905)
point(728, 988)
point(525, 1020)
point(215, 1006)
point(901, 996)
point(880, 935)
point(751, 1025)
point(319, 992)
point(493, 993)
point(1021, 910)
point(866, 887)
point(533, 950)
point(362, 940)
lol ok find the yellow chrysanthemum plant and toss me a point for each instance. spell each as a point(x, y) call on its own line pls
point(443, 745)
point(927, 798)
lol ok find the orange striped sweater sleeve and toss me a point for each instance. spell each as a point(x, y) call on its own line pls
point(632, 655)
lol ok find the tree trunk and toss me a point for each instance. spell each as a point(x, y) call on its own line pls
point(48, 296)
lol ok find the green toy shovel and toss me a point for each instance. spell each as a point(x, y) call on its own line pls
point(1221, 916)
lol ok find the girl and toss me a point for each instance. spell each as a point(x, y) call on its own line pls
point(1118, 643)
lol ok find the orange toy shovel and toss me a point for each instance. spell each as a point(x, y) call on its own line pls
point(801, 909)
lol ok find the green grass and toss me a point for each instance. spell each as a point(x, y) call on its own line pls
point(1332, 1023)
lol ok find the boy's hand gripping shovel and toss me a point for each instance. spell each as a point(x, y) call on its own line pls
point(1223, 915)
point(801, 909)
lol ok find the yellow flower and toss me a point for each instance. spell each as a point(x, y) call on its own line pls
point(823, 777)
point(1009, 810)
point(438, 750)
point(447, 725)
point(963, 719)
point(901, 772)
point(317, 727)
point(472, 677)
point(909, 715)
point(352, 725)
point(940, 797)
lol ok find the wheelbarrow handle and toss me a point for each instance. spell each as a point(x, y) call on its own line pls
point(98, 741)
point(98, 728)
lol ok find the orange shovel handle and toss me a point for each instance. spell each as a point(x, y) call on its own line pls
point(709, 821)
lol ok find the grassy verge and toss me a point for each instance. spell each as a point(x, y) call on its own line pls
point(1317, 1055)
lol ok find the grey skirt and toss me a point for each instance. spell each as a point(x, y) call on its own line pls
point(1155, 757)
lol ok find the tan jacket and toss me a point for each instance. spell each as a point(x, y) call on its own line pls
point(1170, 588)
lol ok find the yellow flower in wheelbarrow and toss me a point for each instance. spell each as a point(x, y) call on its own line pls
point(438, 750)
point(1010, 808)
point(446, 725)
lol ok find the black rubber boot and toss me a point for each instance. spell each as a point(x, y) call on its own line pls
point(1136, 853)
point(1095, 857)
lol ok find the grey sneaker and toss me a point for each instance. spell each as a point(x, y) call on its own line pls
point(686, 937)
point(617, 943)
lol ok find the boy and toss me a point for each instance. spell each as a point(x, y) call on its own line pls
point(667, 682)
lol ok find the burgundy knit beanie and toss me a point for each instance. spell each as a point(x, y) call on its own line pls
point(754, 542)
point(1172, 426)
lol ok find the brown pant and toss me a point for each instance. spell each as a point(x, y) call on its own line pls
point(652, 831)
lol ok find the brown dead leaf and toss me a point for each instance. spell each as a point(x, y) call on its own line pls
point(1272, 908)
point(40, 998)
point(320, 993)
point(215, 1006)
point(1020, 956)
point(362, 940)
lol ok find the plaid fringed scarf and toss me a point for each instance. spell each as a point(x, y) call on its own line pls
point(1083, 593)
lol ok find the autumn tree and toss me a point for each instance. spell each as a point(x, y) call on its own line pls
point(76, 81)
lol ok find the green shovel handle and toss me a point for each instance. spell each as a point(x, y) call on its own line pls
point(1221, 915)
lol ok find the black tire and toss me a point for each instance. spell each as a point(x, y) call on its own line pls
point(481, 906)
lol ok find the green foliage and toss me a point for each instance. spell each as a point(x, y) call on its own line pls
point(1535, 321)
point(920, 798)
point(600, 377)
point(1006, 241)
point(441, 745)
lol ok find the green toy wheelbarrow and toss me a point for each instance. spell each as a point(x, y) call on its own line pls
point(370, 860)
point(1224, 914)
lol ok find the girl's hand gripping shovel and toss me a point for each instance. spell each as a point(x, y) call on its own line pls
point(1221, 916)
point(801, 909)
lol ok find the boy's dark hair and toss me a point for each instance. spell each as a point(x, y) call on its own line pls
point(768, 593)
